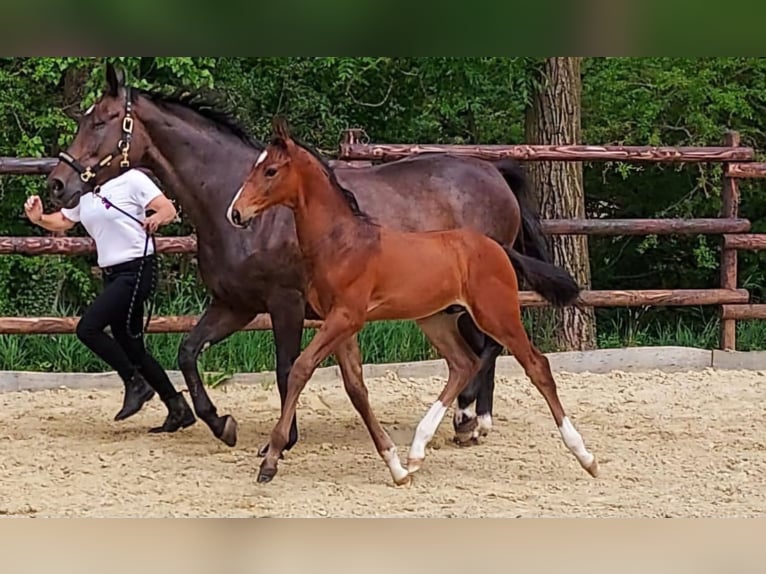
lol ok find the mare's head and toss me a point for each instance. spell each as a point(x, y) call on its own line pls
point(274, 178)
point(107, 141)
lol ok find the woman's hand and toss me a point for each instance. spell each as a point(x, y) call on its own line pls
point(55, 221)
point(164, 213)
point(33, 207)
point(153, 222)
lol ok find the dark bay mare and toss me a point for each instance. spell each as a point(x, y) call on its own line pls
point(201, 156)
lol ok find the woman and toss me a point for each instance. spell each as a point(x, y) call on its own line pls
point(121, 242)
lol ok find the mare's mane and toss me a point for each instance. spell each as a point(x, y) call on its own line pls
point(209, 106)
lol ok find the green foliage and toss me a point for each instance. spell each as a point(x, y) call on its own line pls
point(659, 101)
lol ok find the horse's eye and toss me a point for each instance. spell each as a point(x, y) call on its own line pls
point(271, 171)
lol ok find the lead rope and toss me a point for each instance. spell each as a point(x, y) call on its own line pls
point(136, 287)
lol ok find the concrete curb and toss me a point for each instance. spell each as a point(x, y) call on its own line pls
point(634, 359)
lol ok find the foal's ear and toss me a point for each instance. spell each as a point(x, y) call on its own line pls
point(278, 141)
point(280, 128)
point(115, 79)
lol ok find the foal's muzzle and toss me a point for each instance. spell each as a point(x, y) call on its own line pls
point(235, 218)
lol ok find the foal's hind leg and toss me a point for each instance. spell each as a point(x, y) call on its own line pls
point(350, 362)
point(441, 330)
point(497, 312)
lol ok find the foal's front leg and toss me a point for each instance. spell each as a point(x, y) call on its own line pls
point(339, 325)
point(350, 362)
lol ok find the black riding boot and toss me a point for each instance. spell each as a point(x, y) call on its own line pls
point(179, 416)
point(137, 392)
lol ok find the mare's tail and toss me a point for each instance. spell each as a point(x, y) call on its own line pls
point(531, 239)
point(551, 281)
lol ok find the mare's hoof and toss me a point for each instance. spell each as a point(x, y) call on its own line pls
point(266, 474)
point(466, 426)
point(265, 448)
point(229, 433)
point(463, 440)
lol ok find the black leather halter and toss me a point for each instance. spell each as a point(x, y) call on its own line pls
point(123, 148)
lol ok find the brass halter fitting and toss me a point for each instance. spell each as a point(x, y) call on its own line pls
point(124, 144)
point(123, 148)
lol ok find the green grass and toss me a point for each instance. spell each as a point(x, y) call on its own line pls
point(380, 342)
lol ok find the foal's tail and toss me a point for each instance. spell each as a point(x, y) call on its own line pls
point(531, 239)
point(554, 283)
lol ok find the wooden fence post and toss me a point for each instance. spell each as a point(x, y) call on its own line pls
point(729, 209)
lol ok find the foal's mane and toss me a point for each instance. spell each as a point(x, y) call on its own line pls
point(347, 194)
point(210, 106)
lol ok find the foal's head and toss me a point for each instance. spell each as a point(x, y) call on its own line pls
point(273, 180)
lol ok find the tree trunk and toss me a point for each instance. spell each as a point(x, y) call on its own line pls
point(554, 118)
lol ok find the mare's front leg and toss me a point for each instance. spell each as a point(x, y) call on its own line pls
point(338, 325)
point(217, 323)
point(287, 308)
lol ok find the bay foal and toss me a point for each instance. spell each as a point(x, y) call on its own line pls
point(360, 272)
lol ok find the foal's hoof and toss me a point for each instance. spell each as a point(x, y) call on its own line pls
point(229, 432)
point(592, 468)
point(266, 474)
point(406, 480)
point(413, 465)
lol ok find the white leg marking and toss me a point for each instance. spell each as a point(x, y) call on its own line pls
point(484, 423)
point(426, 430)
point(464, 414)
point(398, 472)
point(574, 442)
point(205, 347)
point(231, 206)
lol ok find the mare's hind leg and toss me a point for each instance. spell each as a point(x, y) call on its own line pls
point(497, 312)
point(441, 329)
point(350, 362)
point(470, 424)
point(217, 322)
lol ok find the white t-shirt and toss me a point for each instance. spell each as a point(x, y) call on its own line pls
point(118, 238)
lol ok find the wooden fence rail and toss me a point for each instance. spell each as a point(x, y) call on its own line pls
point(390, 152)
point(188, 244)
point(184, 323)
point(738, 163)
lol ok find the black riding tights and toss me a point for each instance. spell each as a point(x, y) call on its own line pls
point(120, 351)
